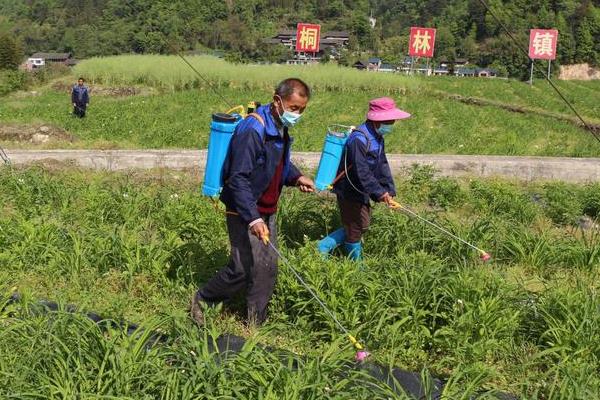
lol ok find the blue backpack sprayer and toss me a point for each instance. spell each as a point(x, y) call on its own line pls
point(222, 127)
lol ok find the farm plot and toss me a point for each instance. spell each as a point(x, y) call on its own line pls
point(134, 246)
point(171, 108)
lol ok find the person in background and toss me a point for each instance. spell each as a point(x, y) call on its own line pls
point(80, 98)
point(256, 168)
point(363, 175)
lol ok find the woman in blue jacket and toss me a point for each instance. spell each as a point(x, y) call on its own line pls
point(364, 176)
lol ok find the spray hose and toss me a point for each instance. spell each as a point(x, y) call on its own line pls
point(361, 353)
point(394, 205)
point(4, 156)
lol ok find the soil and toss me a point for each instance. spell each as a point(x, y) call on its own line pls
point(582, 72)
point(34, 134)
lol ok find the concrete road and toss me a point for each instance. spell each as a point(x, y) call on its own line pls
point(523, 168)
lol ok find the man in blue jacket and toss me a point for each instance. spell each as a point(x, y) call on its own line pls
point(256, 168)
point(80, 98)
point(364, 175)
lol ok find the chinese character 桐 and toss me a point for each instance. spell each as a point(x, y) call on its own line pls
point(308, 38)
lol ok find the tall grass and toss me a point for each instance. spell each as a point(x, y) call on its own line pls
point(171, 73)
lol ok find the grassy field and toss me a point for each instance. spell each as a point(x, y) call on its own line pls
point(134, 246)
point(176, 113)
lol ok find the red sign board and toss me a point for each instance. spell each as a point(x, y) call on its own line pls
point(422, 42)
point(307, 37)
point(542, 44)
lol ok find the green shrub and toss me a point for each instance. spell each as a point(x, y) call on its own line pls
point(446, 193)
point(591, 200)
point(562, 203)
point(49, 72)
point(504, 200)
point(11, 81)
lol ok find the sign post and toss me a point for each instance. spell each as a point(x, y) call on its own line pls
point(421, 43)
point(308, 37)
point(542, 46)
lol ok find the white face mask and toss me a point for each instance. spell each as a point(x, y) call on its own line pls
point(288, 118)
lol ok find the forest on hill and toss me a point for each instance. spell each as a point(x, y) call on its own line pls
point(465, 28)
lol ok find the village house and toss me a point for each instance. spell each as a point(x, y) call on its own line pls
point(38, 60)
point(373, 64)
point(329, 42)
point(360, 65)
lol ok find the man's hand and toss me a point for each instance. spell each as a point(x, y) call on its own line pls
point(261, 231)
point(305, 184)
point(74, 104)
point(389, 201)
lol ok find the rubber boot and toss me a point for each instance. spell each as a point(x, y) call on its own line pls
point(354, 250)
point(331, 241)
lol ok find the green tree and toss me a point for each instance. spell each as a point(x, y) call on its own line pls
point(10, 52)
point(584, 52)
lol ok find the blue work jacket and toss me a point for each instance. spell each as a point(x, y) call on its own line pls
point(253, 156)
point(367, 167)
point(79, 95)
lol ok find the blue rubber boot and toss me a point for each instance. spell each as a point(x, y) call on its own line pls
point(331, 241)
point(354, 251)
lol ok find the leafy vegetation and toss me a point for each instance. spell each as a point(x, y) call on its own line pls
point(11, 81)
point(135, 246)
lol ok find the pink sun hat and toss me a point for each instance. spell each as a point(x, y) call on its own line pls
point(384, 109)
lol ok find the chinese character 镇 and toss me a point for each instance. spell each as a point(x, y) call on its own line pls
point(543, 44)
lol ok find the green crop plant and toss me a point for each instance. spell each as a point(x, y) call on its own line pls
point(591, 200)
point(562, 203)
point(135, 246)
point(445, 193)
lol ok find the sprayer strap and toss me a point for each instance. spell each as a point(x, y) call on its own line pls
point(258, 117)
point(366, 137)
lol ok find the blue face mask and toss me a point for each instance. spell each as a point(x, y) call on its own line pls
point(288, 118)
point(384, 129)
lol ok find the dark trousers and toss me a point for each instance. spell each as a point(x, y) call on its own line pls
point(252, 266)
point(79, 110)
point(356, 218)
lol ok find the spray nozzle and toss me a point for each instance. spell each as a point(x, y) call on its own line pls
point(484, 256)
point(361, 354)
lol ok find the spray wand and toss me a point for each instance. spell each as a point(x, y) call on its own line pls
point(394, 205)
point(361, 352)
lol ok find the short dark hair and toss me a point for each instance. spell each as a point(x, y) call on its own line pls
point(288, 86)
point(81, 79)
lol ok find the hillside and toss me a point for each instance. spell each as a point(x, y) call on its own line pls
point(465, 29)
point(158, 102)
